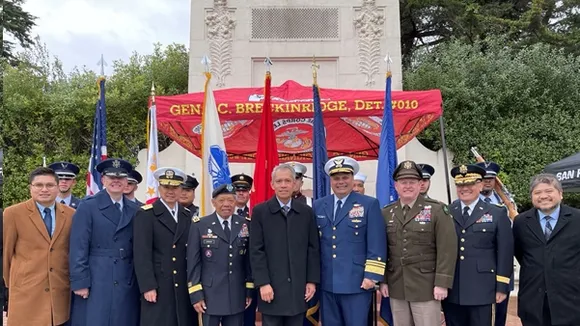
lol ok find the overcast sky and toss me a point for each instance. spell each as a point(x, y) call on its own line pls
point(78, 31)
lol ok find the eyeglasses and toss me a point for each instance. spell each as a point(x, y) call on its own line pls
point(39, 186)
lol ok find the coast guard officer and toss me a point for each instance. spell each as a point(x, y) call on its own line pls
point(486, 250)
point(67, 173)
point(353, 247)
point(218, 265)
point(489, 196)
point(242, 184)
point(427, 172)
point(300, 171)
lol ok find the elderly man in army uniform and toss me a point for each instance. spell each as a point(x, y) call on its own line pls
point(486, 249)
point(160, 248)
point(188, 195)
point(359, 183)
point(352, 247)
point(300, 171)
point(242, 185)
point(67, 173)
point(421, 248)
point(218, 265)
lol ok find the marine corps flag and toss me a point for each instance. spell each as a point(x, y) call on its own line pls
point(267, 153)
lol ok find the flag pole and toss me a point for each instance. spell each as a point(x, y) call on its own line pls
point(445, 165)
point(149, 112)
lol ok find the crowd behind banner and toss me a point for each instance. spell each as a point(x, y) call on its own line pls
point(108, 259)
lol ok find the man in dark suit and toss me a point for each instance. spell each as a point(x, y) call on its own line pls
point(218, 267)
point(188, 195)
point(547, 246)
point(486, 247)
point(353, 247)
point(133, 180)
point(160, 249)
point(102, 274)
point(284, 252)
point(67, 173)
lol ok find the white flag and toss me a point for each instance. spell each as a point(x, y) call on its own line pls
point(215, 169)
point(152, 154)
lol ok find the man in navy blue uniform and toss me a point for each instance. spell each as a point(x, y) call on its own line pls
point(486, 249)
point(67, 173)
point(102, 274)
point(133, 180)
point(489, 196)
point(353, 247)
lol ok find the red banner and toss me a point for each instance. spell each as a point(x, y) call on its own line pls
point(352, 119)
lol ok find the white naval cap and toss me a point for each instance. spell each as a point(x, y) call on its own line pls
point(360, 177)
point(169, 176)
point(299, 168)
point(340, 164)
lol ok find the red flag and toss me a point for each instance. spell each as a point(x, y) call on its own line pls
point(267, 153)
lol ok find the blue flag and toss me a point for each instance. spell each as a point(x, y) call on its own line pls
point(385, 191)
point(321, 187)
point(320, 156)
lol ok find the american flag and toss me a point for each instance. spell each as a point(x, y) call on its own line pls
point(99, 147)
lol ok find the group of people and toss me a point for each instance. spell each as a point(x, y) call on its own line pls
point(110, 260)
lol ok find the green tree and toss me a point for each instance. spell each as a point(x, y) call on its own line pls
point(518, 106)
point(50, 113)
point(17, 24)
point(426, 23)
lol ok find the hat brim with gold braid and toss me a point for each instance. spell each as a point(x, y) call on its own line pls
point(465, 175)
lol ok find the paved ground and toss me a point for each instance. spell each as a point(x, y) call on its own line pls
point(513, 319)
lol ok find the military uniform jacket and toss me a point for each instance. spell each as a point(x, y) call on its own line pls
point(485, 255)
point(160, 250)
point(245, 212)
point(193, 210)
point(422, 249)
point(74, 202)
point(353, 246)
point(218, 270)
point(285, 254)
point(303, 199)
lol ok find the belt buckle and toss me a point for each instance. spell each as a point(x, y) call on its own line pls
point(122, 253)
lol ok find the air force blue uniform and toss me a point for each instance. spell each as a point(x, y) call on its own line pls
point(352, 247)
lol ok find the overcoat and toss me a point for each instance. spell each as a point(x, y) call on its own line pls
point(548, 268)
point(284, 252)
point(36, 266)
point(160, 250)
point(101, 259)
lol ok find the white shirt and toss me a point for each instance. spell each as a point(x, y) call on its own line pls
point(471, 207)
point(342, 201)
point(174, 209)
point(221, 219)
point(66, 200)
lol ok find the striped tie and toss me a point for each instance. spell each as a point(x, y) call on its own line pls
point(548, 229)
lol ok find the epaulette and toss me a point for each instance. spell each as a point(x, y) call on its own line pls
point(393, 203)
point(187, 209)
point(195, 219)
point(146, 207)
point(431, 200)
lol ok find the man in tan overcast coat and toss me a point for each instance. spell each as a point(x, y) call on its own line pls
point(35, 255)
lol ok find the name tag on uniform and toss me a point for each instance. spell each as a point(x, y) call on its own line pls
point(320, 216)
point(207, 242)
point(486, 218)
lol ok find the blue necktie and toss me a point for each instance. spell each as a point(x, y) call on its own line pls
point(118, 207)
point(338, 207)
point(48, 221)
point(548, 229)
point(487, 200)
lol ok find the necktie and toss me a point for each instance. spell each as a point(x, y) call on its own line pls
point(240, 212)
point(487, 200)
point(118, 206)
point(285, 210)
point(406, 209)
point(548, 229)
point(173, 215)
point(63, 202)
point(465, 214)
point(338, 207)
point(227, 230)
point(48, 221)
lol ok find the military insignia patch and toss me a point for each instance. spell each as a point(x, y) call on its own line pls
point(116, 164)
point(407, 165)
point(244, 231)
point(146, 207)
point(357, 211)
point(195, 219)
point(445, 209)
point(208, 253)
point(463, 169)
point(486, 218)
point(189, 284)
